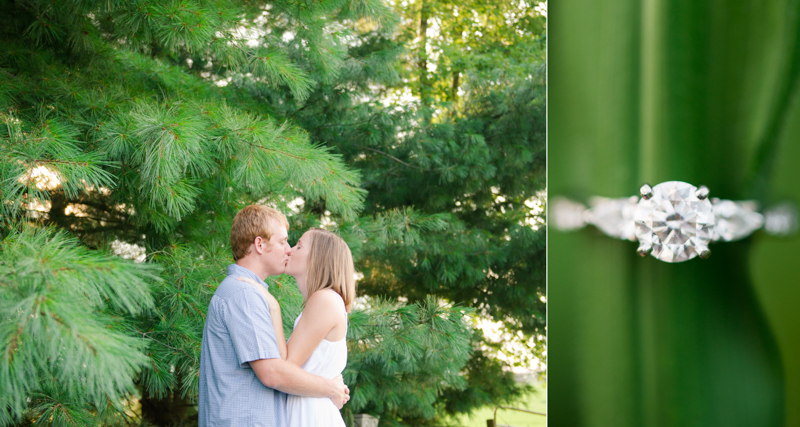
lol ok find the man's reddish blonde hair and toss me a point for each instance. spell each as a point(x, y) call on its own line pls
point(251, 222)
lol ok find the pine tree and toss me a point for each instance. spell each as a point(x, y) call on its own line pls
point(67, 314)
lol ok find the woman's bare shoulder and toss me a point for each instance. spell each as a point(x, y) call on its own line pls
point(324, 297)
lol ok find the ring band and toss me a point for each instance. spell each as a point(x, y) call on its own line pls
point(674, 221)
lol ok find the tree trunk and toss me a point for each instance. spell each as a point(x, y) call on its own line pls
point(454, 88)
point(171, 410)
point(422, 54)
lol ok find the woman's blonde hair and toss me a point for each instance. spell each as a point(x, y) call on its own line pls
point(330, 265)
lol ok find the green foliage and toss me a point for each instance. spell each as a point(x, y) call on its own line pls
point(171, 144)
point(401, 358)
point(174, 330)
point(485, 382)
point(51, 143)
point(64, 327)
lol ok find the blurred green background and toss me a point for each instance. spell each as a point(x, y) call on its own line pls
point(701, 92)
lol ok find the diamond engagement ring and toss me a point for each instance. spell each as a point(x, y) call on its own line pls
point(674, 221)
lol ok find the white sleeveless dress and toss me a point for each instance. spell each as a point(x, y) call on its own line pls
point(327, 360)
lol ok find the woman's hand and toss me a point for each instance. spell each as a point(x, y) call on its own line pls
point(272, 303)
point(275, 314)
point(341, 393)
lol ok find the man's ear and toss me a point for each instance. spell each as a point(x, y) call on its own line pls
point(260, 245)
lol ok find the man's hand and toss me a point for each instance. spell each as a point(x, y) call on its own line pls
point(341, 394)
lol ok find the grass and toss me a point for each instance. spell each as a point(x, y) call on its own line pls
point(536, 401)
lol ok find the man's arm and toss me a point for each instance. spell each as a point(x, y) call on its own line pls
point(292, 379)
point(249, 317)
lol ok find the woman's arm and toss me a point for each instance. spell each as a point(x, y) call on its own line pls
point(275, 314)
point(322, 314)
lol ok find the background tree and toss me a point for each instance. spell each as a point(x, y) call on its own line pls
point(152, 123)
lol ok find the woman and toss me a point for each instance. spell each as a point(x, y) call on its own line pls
point(322, 266)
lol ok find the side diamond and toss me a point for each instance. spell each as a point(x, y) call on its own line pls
point(566, 215)
point(613, 216)
point(735, 220)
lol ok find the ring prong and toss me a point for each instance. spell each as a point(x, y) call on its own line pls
point(704, 252)
point(644, 249)
point(702, 192)
point(646, 191)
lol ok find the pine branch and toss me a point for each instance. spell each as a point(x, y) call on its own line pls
point(45, 298)
point(272, 150)
point(395, 158)
point(144, 335)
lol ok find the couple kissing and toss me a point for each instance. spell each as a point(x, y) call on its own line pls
point(249, 374)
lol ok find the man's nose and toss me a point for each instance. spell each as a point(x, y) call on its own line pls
point(288, 250)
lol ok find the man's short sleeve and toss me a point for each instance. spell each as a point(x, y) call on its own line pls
point(250, 327)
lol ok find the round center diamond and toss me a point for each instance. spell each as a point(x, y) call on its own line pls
point(674, 222)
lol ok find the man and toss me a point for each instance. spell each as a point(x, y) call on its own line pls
point(242, 376)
